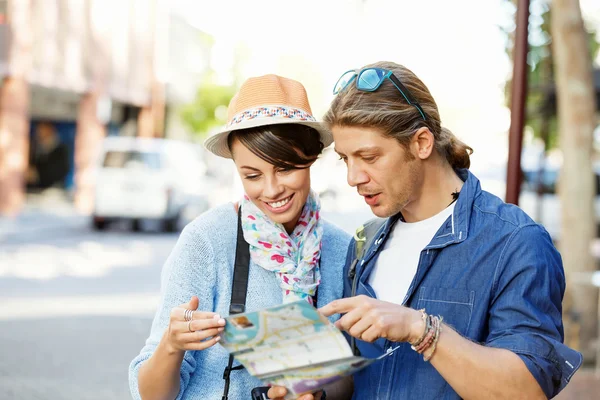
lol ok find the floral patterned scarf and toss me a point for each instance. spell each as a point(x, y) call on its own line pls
point(294, 258)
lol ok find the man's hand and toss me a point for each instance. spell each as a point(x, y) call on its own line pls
point(369, 319)
point(279, 392)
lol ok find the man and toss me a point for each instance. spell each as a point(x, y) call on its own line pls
point(49, 161)
point(466, 289)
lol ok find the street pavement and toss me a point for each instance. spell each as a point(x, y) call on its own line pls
point(75, 305)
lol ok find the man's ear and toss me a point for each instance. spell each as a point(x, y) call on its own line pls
point(422, 143)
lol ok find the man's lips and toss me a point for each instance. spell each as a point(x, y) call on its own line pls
point(372, 199)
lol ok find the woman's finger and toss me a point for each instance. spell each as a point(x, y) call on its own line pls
point(179, 314)
point(202, 345)
point(277, 392)
point(204, 315)
point(198, 336)
point(201, 324)
point(192, 304)
point(191, 329)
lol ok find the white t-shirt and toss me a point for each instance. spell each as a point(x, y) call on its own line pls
point(397, 264)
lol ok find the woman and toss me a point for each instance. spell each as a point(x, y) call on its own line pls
point(273, 140)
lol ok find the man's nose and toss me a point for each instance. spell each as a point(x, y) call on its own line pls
point(356, 175)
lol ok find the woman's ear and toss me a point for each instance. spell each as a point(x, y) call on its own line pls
point(423, 143)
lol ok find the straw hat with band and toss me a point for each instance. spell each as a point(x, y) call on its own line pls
point(267, 100)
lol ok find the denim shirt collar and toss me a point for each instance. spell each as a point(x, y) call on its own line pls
point(455, 230)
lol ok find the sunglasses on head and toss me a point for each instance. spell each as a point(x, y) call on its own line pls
point(369, 80)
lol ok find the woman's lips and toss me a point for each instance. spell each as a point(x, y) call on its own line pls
point(281, 209)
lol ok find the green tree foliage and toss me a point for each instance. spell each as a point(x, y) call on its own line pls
point(209, 108)
point(207, 111)
point(541, 103)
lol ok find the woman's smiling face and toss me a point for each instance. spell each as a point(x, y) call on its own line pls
point(280, 194)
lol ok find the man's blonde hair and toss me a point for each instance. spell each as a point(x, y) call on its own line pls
point(386, 110)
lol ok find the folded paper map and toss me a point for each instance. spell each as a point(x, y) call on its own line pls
point(291, 345)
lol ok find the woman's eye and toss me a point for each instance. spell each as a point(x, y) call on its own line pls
point(284, 170)
point(344, 159)
point(252, 177)
point(369, 159)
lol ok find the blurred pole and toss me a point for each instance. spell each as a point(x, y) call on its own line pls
point(518, 103)
point(88, 141)
point(14, 144)
point(14, 107)
point(151, 119)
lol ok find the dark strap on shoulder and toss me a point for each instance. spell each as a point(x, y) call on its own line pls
point(241, 269)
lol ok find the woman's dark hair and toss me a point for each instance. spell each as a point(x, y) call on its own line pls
point(286, 146)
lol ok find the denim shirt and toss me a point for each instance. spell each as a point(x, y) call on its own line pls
point(496, 278)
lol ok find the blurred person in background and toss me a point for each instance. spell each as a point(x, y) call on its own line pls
point(273, 140)
point(465, 288)
point(49, 159)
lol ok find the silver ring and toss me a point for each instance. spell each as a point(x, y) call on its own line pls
point(190, 326)
point(188, 315)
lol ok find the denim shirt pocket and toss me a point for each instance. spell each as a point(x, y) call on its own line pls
point(455, 305)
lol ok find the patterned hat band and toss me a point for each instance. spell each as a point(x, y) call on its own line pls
point(292, 113)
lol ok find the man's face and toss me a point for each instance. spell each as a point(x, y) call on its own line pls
point(386, 174)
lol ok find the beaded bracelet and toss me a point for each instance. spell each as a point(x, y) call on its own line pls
point(428, 338)
point(429, 341)
point(425, 330)
point(438, 331)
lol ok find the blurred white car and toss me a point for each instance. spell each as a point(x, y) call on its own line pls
point(148, 179)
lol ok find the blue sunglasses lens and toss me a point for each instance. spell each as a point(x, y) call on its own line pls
point(370, 79)
point(344, 81)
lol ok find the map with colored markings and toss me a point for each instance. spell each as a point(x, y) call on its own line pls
point(291, 345)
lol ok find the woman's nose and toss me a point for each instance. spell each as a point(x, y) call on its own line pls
point(273, 188)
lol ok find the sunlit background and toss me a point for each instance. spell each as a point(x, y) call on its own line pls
point(101, 73)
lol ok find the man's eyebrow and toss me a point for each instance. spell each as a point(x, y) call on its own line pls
point(361, 150)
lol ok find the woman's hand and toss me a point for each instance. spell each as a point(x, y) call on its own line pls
point(279, 392)
point(199, 333)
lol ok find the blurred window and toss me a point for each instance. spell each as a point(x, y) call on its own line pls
point(131, 159)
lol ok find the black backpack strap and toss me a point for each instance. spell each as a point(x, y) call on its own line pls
point(364, 237)
point(241, 270)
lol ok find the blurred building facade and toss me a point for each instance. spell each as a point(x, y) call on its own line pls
point(90, 67)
